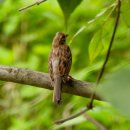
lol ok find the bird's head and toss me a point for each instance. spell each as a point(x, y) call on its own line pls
point(59, 39)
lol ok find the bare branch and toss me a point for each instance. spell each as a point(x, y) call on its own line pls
point(72, 116)
point(38, 79)
point(38, 2)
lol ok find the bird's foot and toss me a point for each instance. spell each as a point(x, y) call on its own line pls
point(70, 78)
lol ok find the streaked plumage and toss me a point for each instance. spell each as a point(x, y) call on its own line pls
point(60, 60)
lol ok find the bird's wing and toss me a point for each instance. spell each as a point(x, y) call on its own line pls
point(65, 60)
point(50, 66)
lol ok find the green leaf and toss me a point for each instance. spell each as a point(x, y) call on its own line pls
point(125, 11)
point(95, 46)
point(105, 11)
point(116, 90)
point(68, 6)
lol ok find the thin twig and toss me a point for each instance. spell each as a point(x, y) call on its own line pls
point(72, 116)
point(108, 53)
point(111, 43)
point(95, 122)
point(38, 2)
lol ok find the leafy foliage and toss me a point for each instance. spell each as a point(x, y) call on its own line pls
point(68, 7)
point(126, 12)
point(115, 89)
point(95, 46)
point(25, 41)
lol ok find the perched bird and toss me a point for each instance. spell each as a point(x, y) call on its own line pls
point(60, 60)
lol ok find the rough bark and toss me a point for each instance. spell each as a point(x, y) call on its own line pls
point(42, 80)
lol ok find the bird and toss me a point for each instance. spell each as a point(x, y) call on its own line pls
point(60, 60)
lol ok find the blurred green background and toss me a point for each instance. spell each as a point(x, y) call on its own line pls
point(25, 41)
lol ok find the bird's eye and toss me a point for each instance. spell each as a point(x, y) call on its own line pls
point(63, 39)
point(63, 36)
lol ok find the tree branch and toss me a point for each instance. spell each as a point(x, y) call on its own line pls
point(38, 79)
point(38, 2)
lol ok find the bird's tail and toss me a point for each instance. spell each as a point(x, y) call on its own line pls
point(57, 90)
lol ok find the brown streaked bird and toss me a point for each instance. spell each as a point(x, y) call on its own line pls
point(60, 60)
